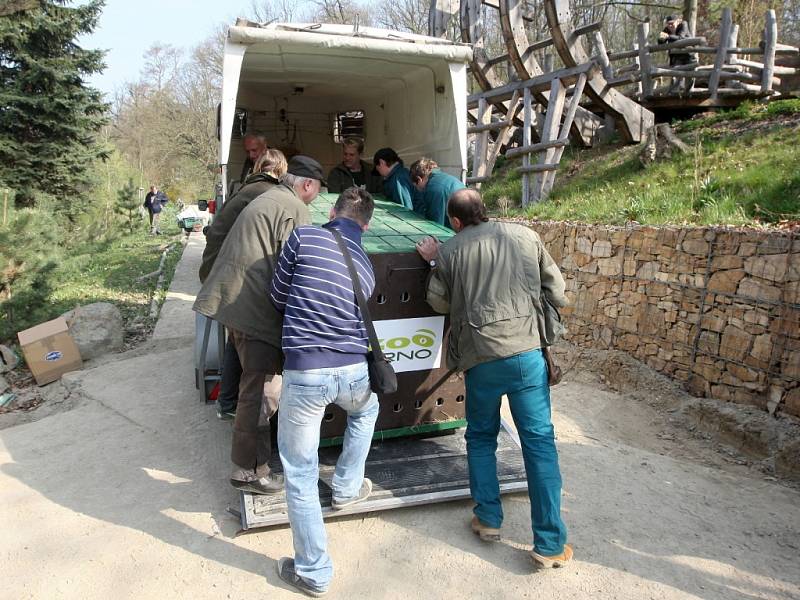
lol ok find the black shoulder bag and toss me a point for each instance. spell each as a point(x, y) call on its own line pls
point(382, 377)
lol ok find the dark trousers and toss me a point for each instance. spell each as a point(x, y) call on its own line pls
point(231, 373)
point(259, 392)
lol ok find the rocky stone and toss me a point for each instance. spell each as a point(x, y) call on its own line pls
point(698, 386)
point(601, 249)
point(8, 359)
point(722, 263)
point(735, 343)
point(791, 402)
point(771, 267)
point(756, 317)
point(759, 290)
point(697, 247)
point(3, 385)
point(791, 364)
point(725, 281)
point(742, 373)
point(762, 347)
point(647, 270)
point(96, 328)
point(583, 245)
point(708, 343)
point(610, 267)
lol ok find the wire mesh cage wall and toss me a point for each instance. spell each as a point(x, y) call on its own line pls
point(717, 309)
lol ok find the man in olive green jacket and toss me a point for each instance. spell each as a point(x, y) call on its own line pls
point(235, 293)
point(490, 278)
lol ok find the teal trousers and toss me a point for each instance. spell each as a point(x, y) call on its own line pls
point(523, 379)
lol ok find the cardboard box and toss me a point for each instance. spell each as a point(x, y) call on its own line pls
point(49, 350)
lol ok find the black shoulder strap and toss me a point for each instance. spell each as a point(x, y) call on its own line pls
point(362, 301)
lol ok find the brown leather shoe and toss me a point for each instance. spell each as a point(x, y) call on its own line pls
point(553, 562)
point(486, 533)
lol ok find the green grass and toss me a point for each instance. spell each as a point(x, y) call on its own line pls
point(104, 270)
point(731, 177)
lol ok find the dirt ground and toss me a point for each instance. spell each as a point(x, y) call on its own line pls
point(121, 492)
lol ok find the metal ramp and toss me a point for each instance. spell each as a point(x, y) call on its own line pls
point(404, 472)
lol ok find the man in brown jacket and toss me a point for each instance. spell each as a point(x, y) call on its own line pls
point(489, 278)
point(235, 293)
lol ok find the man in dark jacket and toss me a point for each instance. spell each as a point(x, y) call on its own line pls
point(153, 202)
point(676, 29)
point(234, 294)
point(269, 167)
point(353, 172)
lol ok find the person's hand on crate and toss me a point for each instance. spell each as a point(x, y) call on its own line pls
point(428, 248)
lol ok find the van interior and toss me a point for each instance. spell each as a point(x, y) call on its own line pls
point(306, 88)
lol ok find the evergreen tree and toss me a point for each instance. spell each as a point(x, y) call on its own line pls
point(48, 115)
point(128, 203)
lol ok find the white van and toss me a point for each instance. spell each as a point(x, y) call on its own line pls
point(307, 86)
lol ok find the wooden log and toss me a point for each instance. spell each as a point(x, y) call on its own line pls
point(644, 59)
point(473, 180)
point(722, 53)
point(707, 74)
point(777, 70)
point(790, 51)
point(632, 67)
point(493, 126)
point(514, 152)
point(637, 60)
point(536, 84)
point(625, 80)
point(550, 133)
point(733, 58)
point(481, 144)
point(770, 40)
point(526, 141)
point(602, 54)
point(550, 176)
point(539, 168)
point(659, 48)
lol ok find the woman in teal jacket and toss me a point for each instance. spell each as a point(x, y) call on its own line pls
point(396, 180)
point(436, 187)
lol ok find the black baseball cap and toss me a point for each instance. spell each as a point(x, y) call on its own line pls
point(305, 166)
point(387, 155)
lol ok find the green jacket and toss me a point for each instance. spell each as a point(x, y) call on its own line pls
point(437, 192)
point(236, 292)
point(489, 278)
point(340, 178)
point(223, 221)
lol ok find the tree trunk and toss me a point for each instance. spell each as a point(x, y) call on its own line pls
point(690, 15)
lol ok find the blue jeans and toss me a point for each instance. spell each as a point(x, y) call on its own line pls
point(523, 378)
point(304, 396)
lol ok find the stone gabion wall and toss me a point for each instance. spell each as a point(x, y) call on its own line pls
point(717, 309)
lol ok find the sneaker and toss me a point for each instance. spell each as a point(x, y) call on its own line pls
point(486, 533)
point(271, 483)
point(552, 562)
point(226, 415)
point(286, 573)
point(363, 494)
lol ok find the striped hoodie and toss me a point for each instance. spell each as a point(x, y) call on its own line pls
point(322, 326)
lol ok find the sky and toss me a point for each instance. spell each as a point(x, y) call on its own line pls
point(127, 28)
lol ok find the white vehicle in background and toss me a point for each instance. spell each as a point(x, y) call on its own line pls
point(305, 87)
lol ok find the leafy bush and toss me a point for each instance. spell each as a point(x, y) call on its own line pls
point(784, 107)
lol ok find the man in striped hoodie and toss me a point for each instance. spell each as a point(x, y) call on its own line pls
point(325, 348)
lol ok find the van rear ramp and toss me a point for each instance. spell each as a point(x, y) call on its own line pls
point(404, 472)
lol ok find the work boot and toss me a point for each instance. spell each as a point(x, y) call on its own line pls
point(486, 533)
point(287, 573)
point(248, 481)
point(363, 494)
point(552, 562)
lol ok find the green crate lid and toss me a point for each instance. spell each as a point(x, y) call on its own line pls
point(392, 228)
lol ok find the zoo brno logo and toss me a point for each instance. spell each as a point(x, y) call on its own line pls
point(412, 344)
point(417, 346)
point(53, 356)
